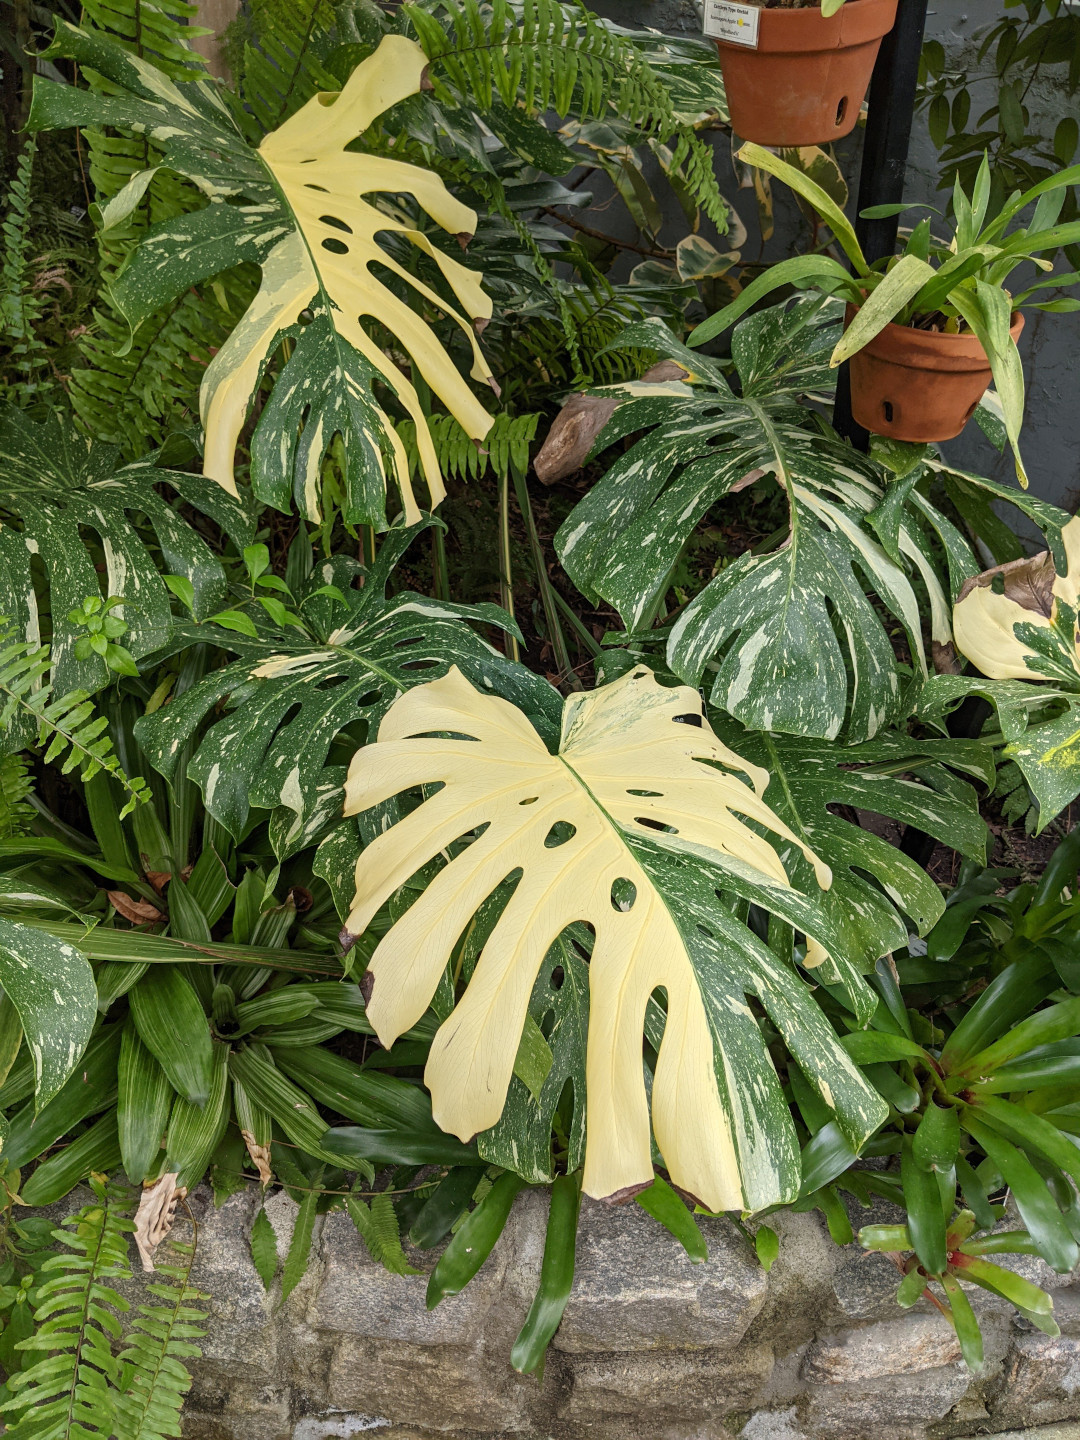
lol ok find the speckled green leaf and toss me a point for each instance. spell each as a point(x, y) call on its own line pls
point(787, 640)
point(1047, 750)
point(352, 663)
point(51, 985)
point(521, 1141)
point(876, 889)
point(58, 486)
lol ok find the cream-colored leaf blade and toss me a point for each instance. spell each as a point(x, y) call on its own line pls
point(504, 789)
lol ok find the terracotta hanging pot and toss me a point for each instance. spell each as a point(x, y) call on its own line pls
point(919, 386)
point(805, 82)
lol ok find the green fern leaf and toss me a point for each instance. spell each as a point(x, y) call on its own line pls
point(68, 729)
point(296, 1260)
point(264, 1249)
point(69, 1394)
point(16, 788)
point(377, 1225)
point(154, 1379)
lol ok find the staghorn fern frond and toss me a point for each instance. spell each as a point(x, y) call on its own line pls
point(70, 1391)
point(68, 729)
point(153, 1378)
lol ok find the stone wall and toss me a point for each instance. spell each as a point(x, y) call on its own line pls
point(651, 1347)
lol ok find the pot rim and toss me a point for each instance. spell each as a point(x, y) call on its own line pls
point(931, 350)
point(803, 32)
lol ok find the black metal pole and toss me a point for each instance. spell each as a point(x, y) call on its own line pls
point(884, 161)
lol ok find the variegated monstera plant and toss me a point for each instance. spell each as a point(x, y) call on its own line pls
point(445, 882)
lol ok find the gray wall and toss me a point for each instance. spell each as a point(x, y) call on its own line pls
point(1051, 344)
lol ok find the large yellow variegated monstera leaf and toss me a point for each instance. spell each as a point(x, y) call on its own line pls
point(310, 213)
point(630, 830)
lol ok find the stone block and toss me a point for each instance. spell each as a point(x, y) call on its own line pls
point(636, 1289)
point(437, 1387)
point(773, 1425)
point(1068, 1431)
point(239, 1328)
point(799, 1298)
point(357, 1296)
point(904, 1346)
point(228, 1403)
point(696, 1387)
point(896, 1407)
point(1042, 1381)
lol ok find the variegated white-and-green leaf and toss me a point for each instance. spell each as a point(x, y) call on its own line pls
point(787, 640)
point(51, 985)
point(293, 691)
point(55, 484)
point(300, 207)
point(877, 893)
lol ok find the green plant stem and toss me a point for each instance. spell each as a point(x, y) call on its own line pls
point(440, 574)
point(580, 629)
point(506, 575)
point(547, 590)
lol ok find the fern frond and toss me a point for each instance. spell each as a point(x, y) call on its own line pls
point(20, 305)
point(546, 55)
point(275, 51)
point(16, 787)
point(69, 1392)
point(693, 159)
point(68, 729)
point(153, 1377)
point(296, 1261)
point(157, 33)
point(377, 1224)
point(504, 450)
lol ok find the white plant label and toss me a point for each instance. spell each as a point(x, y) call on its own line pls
point(738, 24)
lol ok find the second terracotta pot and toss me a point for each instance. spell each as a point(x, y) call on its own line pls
point(918, 386)
point(805, 82)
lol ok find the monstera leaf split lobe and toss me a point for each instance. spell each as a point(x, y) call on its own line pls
point(632, 829)
point(297, 208)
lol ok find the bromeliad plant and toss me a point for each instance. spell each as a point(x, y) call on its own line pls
point(628, 942)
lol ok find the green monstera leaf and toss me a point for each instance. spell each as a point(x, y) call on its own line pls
point(66, 502)
point(820, 789)
point(293, 691)
point(312, 214)
point(788, 640)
